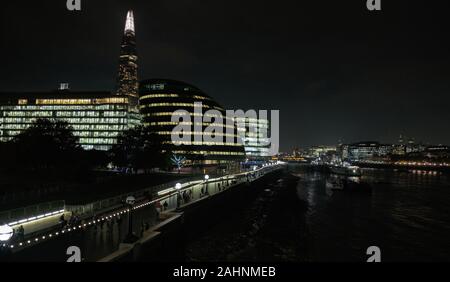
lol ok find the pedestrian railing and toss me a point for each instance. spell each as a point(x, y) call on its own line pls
point(22, 215)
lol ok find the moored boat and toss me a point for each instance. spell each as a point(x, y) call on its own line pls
point(345, 170)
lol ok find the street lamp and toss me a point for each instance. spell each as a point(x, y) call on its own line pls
point(178, 188)
point(130, 238)
point(206, 184)
point(6, 232)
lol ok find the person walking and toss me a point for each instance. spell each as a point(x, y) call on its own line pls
point(142, 228)
point(21, 233)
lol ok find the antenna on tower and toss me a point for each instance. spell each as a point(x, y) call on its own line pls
point(64, 86)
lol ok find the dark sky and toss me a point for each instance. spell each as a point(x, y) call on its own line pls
point(333, 69)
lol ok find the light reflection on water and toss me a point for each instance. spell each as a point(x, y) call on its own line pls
point(407, 216)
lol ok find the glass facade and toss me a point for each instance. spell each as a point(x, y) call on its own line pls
point(97, 118)
point(366, 150)
point(160, 98)
point(255, 134)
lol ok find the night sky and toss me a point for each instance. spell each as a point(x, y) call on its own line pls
point(332, 68)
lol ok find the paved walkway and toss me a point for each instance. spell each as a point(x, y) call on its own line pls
point(97, 237)
point(40, 224)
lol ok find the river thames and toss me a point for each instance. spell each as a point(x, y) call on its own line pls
point(407, 216)
point(297, 218)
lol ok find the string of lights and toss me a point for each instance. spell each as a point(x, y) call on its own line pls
point(256, 173)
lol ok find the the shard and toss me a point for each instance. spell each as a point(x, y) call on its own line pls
point(127, 78)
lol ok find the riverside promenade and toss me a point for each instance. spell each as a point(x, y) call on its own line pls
point(101, 235)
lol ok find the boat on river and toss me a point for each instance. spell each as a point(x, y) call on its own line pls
point(345, 170)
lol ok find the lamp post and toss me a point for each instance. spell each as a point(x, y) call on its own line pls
point(130, 238)
point(178, 188)
point(6, 232)
point(206, 183)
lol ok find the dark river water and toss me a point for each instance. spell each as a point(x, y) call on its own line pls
point(299, 219)
point(407, 216)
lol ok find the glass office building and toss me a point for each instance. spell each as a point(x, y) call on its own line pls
point(366, 150)
point(255, 132)
point(96, 117)
point(160, 98)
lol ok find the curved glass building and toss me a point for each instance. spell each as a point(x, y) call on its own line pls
point(160, 98)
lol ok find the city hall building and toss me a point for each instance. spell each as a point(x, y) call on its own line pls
point(160, 98)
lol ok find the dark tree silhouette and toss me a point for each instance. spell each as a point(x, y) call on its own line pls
point(46, 144)
point(139, 148)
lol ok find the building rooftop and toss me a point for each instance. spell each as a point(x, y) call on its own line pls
point(12, 97)
point(161, 84)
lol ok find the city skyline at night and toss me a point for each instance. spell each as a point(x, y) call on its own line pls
point(225, 139)
point(332, 83)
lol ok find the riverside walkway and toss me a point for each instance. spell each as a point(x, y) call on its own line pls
point(98, 236)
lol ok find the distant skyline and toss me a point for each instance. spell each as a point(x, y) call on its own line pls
point(334, 70)
point(393, 142)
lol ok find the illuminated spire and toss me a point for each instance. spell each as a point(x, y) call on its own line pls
point(127, 79)
point(129, 24)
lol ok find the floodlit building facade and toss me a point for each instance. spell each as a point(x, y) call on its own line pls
point(97, 118)
point(366, 150)
point(160, 98)
point(255, 133)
